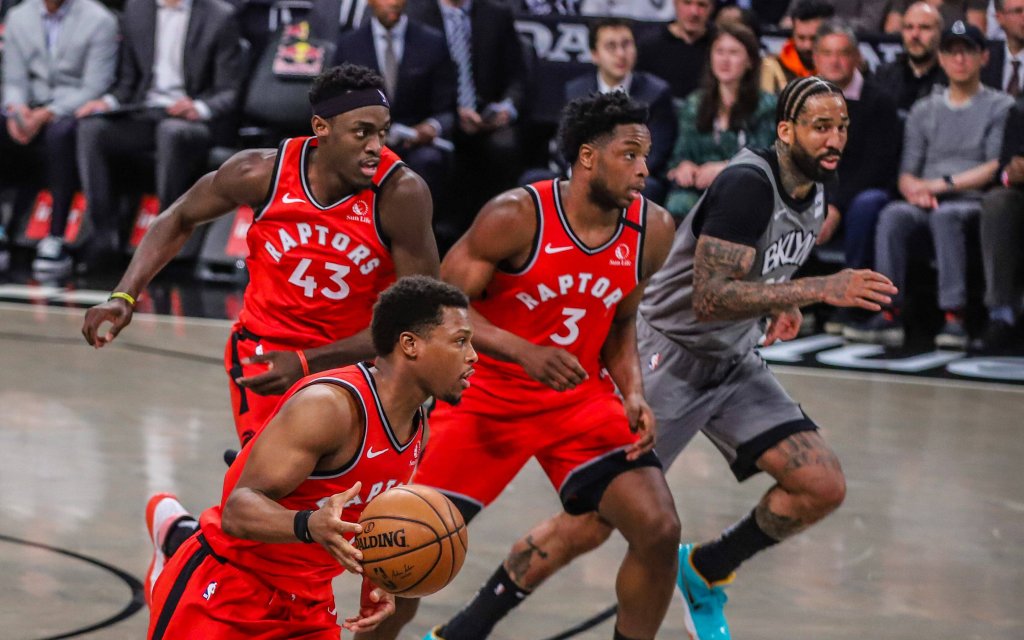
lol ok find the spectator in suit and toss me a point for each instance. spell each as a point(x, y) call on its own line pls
point(419, 78)
point(329, 19)
point(1002, 236)
point(797, 54)
point(950, 155)
point(58, 55)
point(1005, 68)
point(916, 71)
point(678, 52)
point(490, 83)
point(180, 76)
point(613, 51)
point(870, 162)
point(728, 113)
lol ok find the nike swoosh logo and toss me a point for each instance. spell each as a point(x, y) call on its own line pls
point(373, 454)
point(289, 200)
point(549, 249)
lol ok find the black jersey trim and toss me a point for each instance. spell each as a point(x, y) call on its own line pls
point(388, 430)
point(303, 156)
point(641, 232)
point(572, 234)
point(377, 186)
point(345, 468)
point(538, 236)
point(272, 189)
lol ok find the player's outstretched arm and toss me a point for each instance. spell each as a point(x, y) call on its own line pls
point(318, 426)
point(503, 234)
point(720, 293)
point(243, 179)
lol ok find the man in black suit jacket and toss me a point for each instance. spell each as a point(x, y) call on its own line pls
point(423, 86)
point(613, 50)
point(179, 77)
point(998, 71)
point(490, 91)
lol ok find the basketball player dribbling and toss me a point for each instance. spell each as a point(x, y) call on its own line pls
point(337, 218)
point(555, 272)
point(339, 438)
point(731, 266)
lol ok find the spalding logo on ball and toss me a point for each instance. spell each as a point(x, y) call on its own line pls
point(414, 541)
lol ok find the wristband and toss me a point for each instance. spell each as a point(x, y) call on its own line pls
point(303, 362)
point(301, 526)
point(123, 296)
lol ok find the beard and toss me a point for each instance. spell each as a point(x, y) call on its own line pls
point(451, 397)
point(602, 196)
point(806, 57)
point(921, 58)
point(810, 166)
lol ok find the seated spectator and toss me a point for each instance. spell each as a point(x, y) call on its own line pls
point(329, 19)
point(168, 99)
point(870, 162)
point(419, 78)
point(728, 113)
point(57, 56)
point(1002, 236)
point(678, 52)
point(950, 154)
point(797, 54)
point(1005, 68)
point(916, 71)
point(862, 16)
point(967, 11)
point(773, 78)
point(491, 75)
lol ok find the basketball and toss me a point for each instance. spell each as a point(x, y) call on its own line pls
point(414, 541)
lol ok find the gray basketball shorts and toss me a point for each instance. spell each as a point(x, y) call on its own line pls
point(738, 403)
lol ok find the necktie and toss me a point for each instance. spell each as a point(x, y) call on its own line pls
point(390, 65)
point(461, 55)
point(1013, 86)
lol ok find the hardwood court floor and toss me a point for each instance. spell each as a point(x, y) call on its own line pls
point(930, 542)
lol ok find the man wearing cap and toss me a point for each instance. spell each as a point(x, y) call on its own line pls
point(950, 156)
point(337, 218)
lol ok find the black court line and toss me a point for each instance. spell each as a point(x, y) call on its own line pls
point(127, 345)
point(133, 583)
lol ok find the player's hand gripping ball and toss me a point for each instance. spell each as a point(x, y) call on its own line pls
point(414, 541)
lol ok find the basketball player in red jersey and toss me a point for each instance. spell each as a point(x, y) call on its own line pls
point(339, 438)
point(555, 272)
point(337, 217)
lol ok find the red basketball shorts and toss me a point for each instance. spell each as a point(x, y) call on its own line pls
point(199, 596)
point(476, 447)
point(250, 409)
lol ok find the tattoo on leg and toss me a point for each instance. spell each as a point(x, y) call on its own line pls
point(777, 526)
point(807, 449)
point(519, 561)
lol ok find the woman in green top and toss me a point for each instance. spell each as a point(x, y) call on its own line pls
point(729, 112)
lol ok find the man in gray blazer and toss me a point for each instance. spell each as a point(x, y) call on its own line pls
point(58, 55)
point(180, 76)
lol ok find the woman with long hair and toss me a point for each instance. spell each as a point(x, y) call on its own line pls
point(729, 112)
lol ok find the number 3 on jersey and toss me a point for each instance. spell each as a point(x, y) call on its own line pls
point(572, 328)
point(308, 284)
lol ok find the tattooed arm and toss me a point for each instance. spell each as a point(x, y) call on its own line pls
point(720, 293)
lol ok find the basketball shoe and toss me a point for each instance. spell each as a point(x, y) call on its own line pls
point(162, 512)
point(434, 634)
point(705, 619)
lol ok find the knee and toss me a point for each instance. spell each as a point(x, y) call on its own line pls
point(1002, 203)
point(405, 610)
point(90, 131)
point(825, 493)
point(174, 133)
point(660, 532)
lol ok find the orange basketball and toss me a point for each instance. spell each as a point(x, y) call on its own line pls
point(413, 541)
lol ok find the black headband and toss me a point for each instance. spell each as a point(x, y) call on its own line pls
point(350, 100)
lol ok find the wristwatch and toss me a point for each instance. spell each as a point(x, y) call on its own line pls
point(949, 182)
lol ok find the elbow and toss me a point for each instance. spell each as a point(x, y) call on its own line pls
point(230, 520)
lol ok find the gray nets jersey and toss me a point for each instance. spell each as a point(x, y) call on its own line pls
point(786, 244)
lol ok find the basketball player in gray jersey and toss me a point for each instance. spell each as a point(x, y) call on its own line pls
point(729, 271)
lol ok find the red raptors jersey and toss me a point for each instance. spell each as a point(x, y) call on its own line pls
point(567, 293)
point(381, 463)
point(315, 270)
